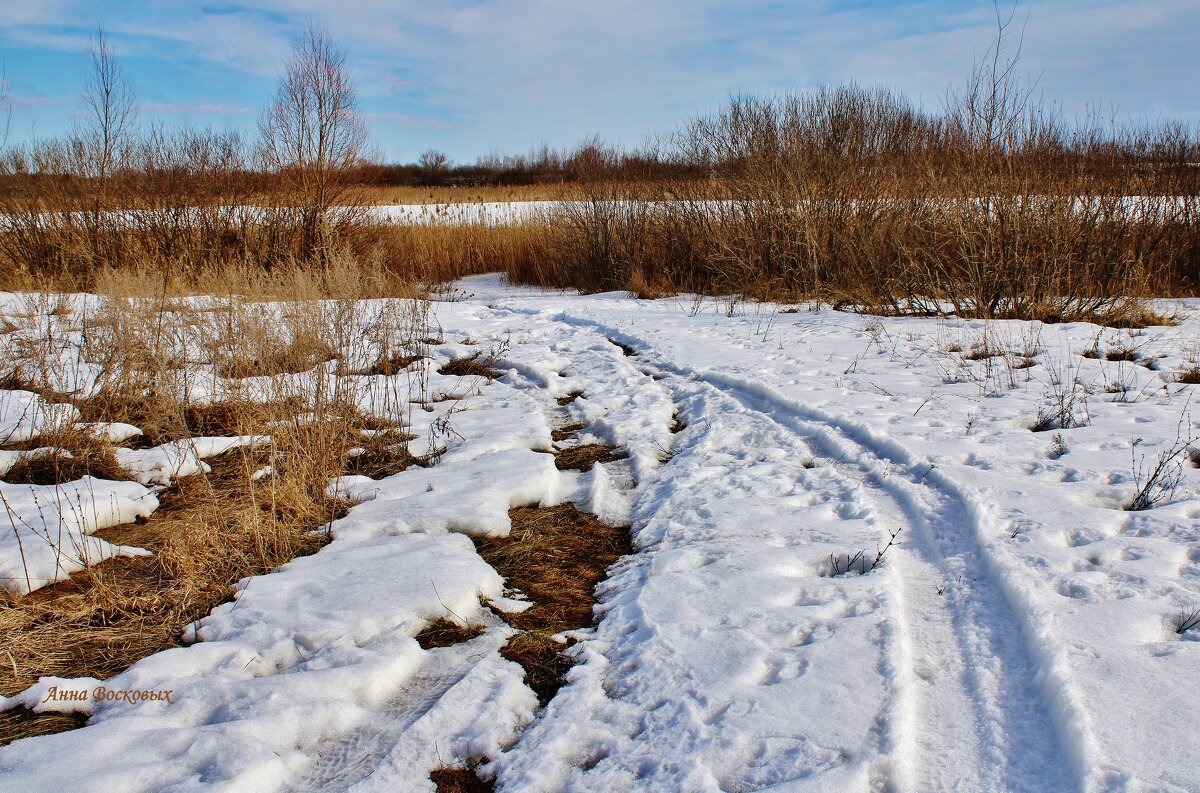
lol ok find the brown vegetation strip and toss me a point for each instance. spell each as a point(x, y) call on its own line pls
point(384, 454)
point(582, 458)
point(563, 401)
point(555, 556)
point(72, 455)
point(565, 431)
point(15, 724)
point(469, 367)
point(393, 364)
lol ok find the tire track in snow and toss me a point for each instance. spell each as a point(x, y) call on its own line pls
point(976, 716)
point(450, 687)
point(393, 737)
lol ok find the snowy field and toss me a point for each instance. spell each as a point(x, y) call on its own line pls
point(1022, 632)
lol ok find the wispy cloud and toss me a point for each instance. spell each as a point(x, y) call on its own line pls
point(195, 108)
point(470, 76)
point(33, 101)
point(408, 120)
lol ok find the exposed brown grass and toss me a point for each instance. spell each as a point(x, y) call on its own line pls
point(1189, 376)
point(473, 366)
point(446, 633)
point(382, 455)
point(555, 556)
point(16, 724)
point(68, 454)
point(459, 780)
point(387, 365)
point(583, 457)
point(209, 532)
point(564, 432)
point(257, 509)
point(677, 424)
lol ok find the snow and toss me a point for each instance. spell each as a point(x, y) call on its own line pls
point(162, 465)
point(1021, 635)
point(46, 528)
point(111, 431)
point(25, 415)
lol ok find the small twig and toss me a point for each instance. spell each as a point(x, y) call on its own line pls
point(447, 608)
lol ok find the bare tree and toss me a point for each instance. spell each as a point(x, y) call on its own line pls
point(434, 165)
point(105, 131)
point(312, 135)
point(992, 111)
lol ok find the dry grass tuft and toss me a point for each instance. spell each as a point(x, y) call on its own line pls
point(300, 355)
point(383, 454)
point(582, 458)
point(469, 367)
point(564, 432)
point(1189, 376)
point(445, 633)
point(555, 556)
point(18, 723)
point(389, 365)
point(459, 780)
point(69, 454)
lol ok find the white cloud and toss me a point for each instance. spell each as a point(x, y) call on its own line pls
point(471, 75)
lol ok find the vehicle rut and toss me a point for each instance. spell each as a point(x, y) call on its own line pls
point(974, 714)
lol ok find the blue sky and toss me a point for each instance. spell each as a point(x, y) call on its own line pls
point(472, 77)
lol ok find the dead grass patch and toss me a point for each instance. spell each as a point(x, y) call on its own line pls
point(564, 432)
point(555, 556)
point(388, 365)
point(982, 353)
point(301, 355)
point(460, 780)
point(569, 398)
point(1189, 376)
point(469, 367)
point(164, 419)
point(209, 532)
point(1122, 354)
point(582, 458)
point(68, 454)
point(19, 723)
point(382, 456)
point(446, 633)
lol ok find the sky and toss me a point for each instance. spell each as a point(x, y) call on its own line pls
point(476, 77)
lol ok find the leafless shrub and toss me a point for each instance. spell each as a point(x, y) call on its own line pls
point(1066, 399)
point(1187, 621)
point(861, 562)
point(311, 135)
point(1156, 482)
point(1058, 446)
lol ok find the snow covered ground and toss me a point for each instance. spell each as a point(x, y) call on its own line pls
point(1022, 634)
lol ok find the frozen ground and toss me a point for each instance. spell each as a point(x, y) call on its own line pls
point(1021, 636)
